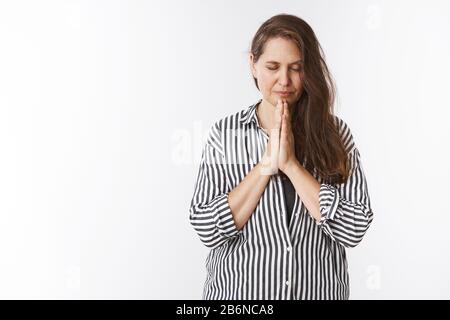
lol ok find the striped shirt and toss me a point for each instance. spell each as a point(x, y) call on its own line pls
point(270, 257)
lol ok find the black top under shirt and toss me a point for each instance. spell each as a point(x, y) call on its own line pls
point(289, 195)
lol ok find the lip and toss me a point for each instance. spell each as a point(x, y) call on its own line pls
point(283, 93)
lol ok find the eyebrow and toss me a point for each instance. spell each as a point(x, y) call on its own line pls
point(295, 62)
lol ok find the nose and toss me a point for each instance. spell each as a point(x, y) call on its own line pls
point(284, 78)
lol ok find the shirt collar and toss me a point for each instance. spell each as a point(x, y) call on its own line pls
point(249, 115)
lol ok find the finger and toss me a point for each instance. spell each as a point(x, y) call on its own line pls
point(281, 109)
point(278, 113)
point(283, 126)
point(287, 115)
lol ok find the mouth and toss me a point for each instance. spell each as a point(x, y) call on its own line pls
point(283, 93)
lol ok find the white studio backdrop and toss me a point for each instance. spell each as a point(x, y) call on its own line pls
point(104, 107)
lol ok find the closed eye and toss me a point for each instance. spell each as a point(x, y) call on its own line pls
point(295, 69)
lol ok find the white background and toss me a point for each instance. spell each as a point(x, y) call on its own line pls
point(104, 106)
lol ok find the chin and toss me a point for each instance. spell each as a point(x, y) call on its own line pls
point(276, 97)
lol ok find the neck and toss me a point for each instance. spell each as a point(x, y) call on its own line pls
point(266, 114)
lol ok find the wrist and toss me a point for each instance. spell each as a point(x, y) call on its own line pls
point(291, 167)
point(265, 167)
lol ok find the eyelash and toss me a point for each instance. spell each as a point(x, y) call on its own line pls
point(297, 70)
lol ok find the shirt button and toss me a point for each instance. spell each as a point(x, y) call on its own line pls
point(288, 248)
point(287, 283)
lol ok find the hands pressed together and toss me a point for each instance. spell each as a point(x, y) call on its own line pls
point(280, 150)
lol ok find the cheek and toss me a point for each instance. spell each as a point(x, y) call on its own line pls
point(298, 80)
point(267, 81)
point(299, 86)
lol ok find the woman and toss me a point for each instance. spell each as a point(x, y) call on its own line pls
point(281, 192)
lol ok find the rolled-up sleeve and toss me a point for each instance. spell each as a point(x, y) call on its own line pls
point(210, 214)
point(345, 209)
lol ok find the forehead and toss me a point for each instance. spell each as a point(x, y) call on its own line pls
point(281, 50)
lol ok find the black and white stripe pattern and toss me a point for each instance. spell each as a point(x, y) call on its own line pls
point(269, 258)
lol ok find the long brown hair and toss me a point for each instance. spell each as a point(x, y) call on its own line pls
point(318, 143)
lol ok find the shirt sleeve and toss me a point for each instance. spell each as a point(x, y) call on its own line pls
point(210, 214)
point(345, 209)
